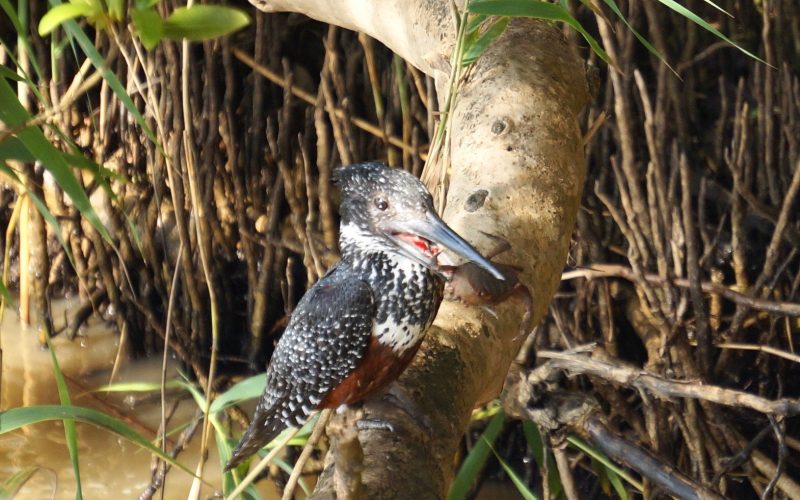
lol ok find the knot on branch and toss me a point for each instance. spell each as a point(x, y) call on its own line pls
point(535, 395)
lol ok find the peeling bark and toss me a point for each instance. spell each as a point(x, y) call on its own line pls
point(517, 171)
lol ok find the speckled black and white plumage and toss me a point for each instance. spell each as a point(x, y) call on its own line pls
point(374, 291)
point(324, 341)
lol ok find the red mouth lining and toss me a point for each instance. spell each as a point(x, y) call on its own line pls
point(425, 247)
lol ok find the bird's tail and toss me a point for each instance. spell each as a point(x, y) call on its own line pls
point(261, 432)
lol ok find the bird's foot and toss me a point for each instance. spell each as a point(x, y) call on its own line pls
point(374, 424)
point(488, 310)
point(399, 397)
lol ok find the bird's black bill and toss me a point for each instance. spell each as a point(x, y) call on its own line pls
point(434, 230)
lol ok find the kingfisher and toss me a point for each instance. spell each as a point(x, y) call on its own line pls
point(358, 327)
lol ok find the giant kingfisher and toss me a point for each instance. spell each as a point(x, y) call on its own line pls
point(359, 326)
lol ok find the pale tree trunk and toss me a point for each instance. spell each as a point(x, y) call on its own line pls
point(517, 171)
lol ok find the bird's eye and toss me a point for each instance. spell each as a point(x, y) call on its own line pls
point(381, 203)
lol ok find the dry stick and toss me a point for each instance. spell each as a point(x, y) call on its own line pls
point(335, 75)
point(262, 464)
point(564, 471)
point(121, 343)
point(336, 125)
point(310, 99)
point(619, 372)
point(69, 98)
point(329, 230)
point(176, 188)
point(735, 164)
point(158, 481)
point(319, 428)
point(779, 436)
point(262, 292)
point(787, 215)
point(693, 269)
point(200, 229)
point(12, 225)
point(765, 466)
point(319, 266)
point(598, 122)
point(763, 348)
point(613, 270)
point(374, 81)
point(167, 331)
point(643, 462)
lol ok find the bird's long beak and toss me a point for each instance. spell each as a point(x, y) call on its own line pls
point(433, 229)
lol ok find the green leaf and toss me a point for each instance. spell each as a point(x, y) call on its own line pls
point(9, 73)
point(535, 442)
point(11, 486)
point(644, 41)
point(138, 386)
point(144, 4)
point(116, 9)
point(149, 25)
point(688, 14)
point(70, 432)
point(59, 14)
point(16, 418)
point(13, 149)
point(475, 23)
point(14, 115)
point(476, 459)
point(709, 2)
point(523, 489)
point(203, 22)
point(540, 454)
point(248, 388)
point(18, 20)
point(475, 49)
point(5, 293)
point(616, 482)
point(538, 10)
point(605, 461)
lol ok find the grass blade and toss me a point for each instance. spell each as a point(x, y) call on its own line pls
point(11, 486)
point(17, 418)
point(688, 14)
point(75, 33)
point(13, 149)
point(540, 455)
point(5, 293)
point(13, 115)
point(538, 10)
point(70, 432)
point(22, 37)
point(248, 388)
point(138, 386)
point(475, 49)
point(476, 459)
point(523, 489)
point(603, 459)
point(644, 41)
point(11, 75)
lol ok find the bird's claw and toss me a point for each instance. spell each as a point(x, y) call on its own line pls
point(374, 424)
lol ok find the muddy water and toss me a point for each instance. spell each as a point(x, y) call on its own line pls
point(111, 467)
